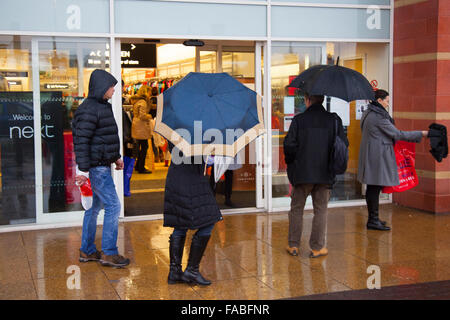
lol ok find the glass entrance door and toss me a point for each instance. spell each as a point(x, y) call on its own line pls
point(289, 59)
point(63, 68)
point(239, 188)
point(242, 186)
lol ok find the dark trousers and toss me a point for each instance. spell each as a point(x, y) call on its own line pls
point(320, 195)
point(373, 200)
point(155, 151)
point(228, 183)
point(142, 147)
point(202, 232)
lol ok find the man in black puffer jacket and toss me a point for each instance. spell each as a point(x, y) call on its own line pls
point(97, 146)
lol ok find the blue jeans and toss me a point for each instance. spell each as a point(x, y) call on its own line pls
point(104, 195)
point(202, 232)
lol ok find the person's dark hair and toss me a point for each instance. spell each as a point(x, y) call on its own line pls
point(154, 91)
point(381, 94)
point(315, 99)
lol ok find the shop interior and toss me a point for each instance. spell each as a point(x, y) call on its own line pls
point(173, 60)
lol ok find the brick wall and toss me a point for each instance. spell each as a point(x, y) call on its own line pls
point(422, 92)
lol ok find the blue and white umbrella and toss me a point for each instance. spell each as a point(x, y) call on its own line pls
point(209, 113)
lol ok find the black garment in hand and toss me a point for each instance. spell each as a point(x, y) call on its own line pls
point(438, 141)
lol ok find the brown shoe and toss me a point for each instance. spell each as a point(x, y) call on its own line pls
point(320, 253)
point(293, 251)
point(116, 261)
point(90, 257)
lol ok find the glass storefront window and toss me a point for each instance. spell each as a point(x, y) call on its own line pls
point(17, 175)
point(175, 60)
point(288, 60)
point(208, 61)
point(239, 64)
point(372, 60)
point(64, 72)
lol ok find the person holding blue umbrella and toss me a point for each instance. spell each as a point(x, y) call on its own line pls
point(189, 203)
point(201, 115)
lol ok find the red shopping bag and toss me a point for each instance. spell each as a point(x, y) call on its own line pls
point(405, 155)
point(86, 195)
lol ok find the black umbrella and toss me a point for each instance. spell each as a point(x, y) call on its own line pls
point(334, 81)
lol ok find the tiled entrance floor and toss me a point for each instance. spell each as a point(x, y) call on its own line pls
point(245, 259)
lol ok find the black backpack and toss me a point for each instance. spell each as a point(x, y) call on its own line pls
point(339, 154)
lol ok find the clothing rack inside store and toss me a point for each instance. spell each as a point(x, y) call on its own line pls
point(160, 83)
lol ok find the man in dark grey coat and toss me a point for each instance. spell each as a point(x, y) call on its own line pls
point(307, 149)
point(377, 165)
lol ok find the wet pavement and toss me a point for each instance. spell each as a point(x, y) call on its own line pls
point(246, 258)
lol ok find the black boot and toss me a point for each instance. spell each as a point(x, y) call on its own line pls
point(229, 204)
point(372, 200)
point(377, 225)
point(374, 223)
point(192, 273)
point(176, 254)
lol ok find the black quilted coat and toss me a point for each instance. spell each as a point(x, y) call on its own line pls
point(308, 146)
point(188, 200)
point(95, 133)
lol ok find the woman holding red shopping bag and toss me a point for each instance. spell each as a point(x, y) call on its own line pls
point(377, 164)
